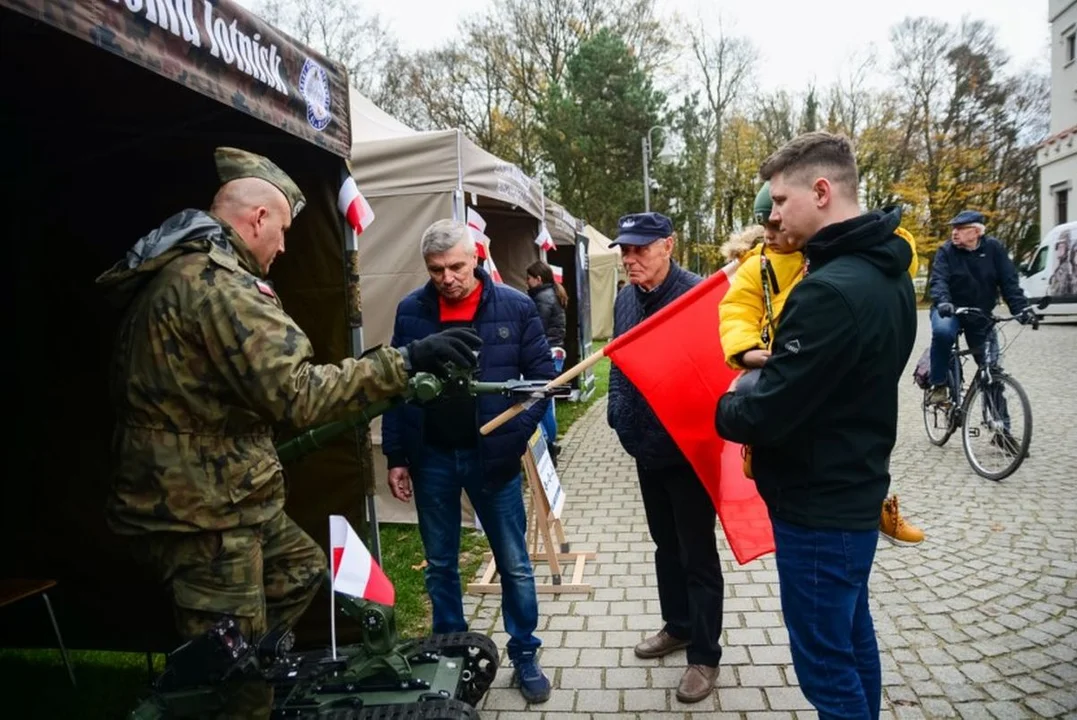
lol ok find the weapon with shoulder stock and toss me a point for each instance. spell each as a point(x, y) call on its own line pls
point(422, 388)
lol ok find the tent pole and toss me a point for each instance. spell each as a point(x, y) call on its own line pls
point(355, 340)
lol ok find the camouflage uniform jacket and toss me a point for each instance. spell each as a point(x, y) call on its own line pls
point(206, 363)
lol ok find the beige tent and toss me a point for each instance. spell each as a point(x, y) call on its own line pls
point(412, 179)
point(604, 270)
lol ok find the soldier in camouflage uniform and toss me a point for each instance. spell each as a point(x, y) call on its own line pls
point(206, 363)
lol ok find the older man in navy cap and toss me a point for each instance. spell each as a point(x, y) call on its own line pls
point(680, 515)
point(969, 271)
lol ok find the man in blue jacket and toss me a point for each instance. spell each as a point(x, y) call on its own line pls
point(968, 271)
point(680, 514)
point(435, 451)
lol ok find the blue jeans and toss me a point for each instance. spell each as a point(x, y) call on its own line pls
point(549, 424)
point(823, 581)
point(438, 478)
point(943, 333)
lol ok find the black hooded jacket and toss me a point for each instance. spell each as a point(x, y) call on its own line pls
point(822, 419)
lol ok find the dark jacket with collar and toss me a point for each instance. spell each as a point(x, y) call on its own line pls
point(641, 433)
point(822, 418)
point(513, 346)
point(550, 312)
point(973, 278)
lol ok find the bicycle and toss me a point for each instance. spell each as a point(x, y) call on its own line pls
point(989, 386)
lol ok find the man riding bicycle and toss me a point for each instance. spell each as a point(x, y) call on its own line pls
point(969, 271)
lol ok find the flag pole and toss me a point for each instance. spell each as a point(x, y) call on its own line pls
point(561, 379)
point(332, 594)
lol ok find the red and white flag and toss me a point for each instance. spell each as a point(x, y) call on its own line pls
point(558, 274)
point(477, 225)
point(354, 571)
point(354, 206)
point(543, 239)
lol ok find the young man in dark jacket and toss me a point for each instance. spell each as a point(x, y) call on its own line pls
point(969, 270)
point(822, 418)
point(435, 451)
point(680, 514)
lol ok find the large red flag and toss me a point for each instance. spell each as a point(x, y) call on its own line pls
point(675, 359)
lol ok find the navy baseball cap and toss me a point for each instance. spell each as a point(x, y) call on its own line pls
point(642, 228)
point(968, 217)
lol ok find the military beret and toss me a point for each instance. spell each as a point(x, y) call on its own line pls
point(233, 163)
point(968, 217)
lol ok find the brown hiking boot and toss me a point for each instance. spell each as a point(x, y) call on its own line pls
point(696, 683)
point(893, 526)
point(659, 645)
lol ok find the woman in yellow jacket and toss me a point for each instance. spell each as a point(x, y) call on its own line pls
point(749, 313)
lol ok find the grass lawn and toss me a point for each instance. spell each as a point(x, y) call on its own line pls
point(111, 683)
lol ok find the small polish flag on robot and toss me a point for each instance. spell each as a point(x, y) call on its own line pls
point(354, 571)
point(354, 206)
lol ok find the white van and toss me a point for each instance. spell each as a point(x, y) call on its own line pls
point(1053, 271)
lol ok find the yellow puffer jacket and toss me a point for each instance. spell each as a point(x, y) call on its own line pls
point(742, 313)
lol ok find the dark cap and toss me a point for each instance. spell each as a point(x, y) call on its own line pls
point(968, 217)
point(642, 228)
point(233, 163)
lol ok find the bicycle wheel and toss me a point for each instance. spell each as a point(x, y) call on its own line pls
point(996, 434)
point(938, 420)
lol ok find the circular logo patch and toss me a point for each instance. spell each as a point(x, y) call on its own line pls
point(314, 87)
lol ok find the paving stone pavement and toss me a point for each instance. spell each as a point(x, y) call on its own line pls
point(980, 621)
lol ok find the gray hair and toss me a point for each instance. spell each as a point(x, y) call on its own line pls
point(980, 227)
point(443, 236)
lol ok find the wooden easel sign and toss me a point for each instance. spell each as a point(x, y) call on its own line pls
point(543, 524)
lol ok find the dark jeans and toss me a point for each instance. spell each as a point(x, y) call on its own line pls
point(681, 519)
point(823, 580)
point(984, 343)
point(438, 478)
point(943, 333)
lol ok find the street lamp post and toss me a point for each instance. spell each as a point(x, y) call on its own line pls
point(647, 167)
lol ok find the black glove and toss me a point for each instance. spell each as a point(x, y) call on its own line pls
point(1026, 316)
point(455, 345)
point(945, 309)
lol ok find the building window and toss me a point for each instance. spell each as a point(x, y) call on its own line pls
point(1062, 199)
point(1070, 41)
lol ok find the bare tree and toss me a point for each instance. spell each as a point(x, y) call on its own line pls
point(344, 31)
point(723, 64)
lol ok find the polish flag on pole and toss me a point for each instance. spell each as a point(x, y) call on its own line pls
point(354, 571)
point(354, 206)
point(558, 273)
point(543, 239)
point(477, 225)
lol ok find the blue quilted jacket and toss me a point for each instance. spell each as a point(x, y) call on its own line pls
point(513, 346)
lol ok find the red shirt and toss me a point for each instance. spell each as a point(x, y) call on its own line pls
point(460, 311)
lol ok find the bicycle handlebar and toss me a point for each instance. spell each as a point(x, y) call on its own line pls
point(994, 319)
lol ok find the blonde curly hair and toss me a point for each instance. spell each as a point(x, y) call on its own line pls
point(738, 244)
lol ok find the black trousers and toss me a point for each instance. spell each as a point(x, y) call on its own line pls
point(691, 589)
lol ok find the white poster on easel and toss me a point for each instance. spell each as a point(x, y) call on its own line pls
point(551, 484)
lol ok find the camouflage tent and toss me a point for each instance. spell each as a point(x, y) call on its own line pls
point(111, 115)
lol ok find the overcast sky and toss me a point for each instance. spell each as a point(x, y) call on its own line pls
point(798, 40)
